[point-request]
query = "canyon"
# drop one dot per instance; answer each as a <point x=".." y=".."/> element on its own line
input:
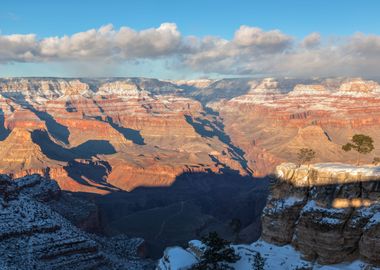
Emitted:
<point x="102" y="135"/>
<point x="169" y="161"/>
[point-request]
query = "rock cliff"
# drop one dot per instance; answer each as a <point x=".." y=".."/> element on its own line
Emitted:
<point x="156" y="129"/>
<point x="322" y="216"/>
<point x="35" y="236"/>
<point x="109" y="134"/>
<point x="329" y="212"/>
<point x="267" y="122"/>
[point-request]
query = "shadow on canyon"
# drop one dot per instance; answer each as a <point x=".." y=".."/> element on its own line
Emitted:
<point x="82" y="164"/>
<point x="128" y="133"/>
<point x="3" y="131"/>
<point x="210" y="129"/>
<point x="57" y="130"/>
<point x="193" y="205"/>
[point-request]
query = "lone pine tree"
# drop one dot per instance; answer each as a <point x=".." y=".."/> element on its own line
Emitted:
<point x="217" y="255"/>
<point x="361" y="143"/>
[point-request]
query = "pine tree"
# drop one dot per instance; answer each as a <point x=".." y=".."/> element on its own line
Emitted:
<point x="217" y="255"/>
<point x="258" y="262"/>
<point x="305" y="155"/>
<point x="361" y="143"/>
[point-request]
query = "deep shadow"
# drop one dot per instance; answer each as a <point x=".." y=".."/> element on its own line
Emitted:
<point x="3" y="131"/>
<point x="92" y="148"/>
<point x="209" y="129"/>
<point x="84" y="151"/>
<point x="193" y="205"/>
<point x="128" y="133"/>
<point x="89" y="172"/>
<point x="57" y="130"/>
<point x="81" y="165"/>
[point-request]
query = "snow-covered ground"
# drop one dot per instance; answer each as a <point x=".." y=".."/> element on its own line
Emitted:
<point x="367" y="170"/>
<point x="275" y="258"/>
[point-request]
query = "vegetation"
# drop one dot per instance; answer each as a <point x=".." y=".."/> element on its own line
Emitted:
<point x="376" y="160"/>
<point x="258" y="262"/>
<point x="217" y="255"/>
<point x="305" y="155"/>
<point x="361" y="143"/>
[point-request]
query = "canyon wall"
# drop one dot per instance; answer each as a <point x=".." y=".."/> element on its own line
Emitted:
<point x="107" y="135"/>
<point x="102" y="135"/>
<point x="328" y="212"/>
<point x="273" y="120"/>
<point x="34" y="235"/>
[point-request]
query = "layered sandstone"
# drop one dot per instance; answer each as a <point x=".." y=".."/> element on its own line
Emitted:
<point x="105" y="135"/>
<point x="129" y="124"/>
<point x="329" y="212"/>
<point x="271" y="123"/>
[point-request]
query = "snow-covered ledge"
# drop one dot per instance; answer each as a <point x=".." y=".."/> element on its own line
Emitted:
<point x="326" y="173"/>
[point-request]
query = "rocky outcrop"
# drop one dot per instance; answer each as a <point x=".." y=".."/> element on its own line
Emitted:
<point x="34" y="236"/>
<point x="329" y="212"/>
<point x="266" y="121"/>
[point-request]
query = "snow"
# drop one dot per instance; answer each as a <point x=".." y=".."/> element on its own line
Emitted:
<point x="176" y="258"/>
<point x="280" y="205"/>
<point x="375" y="219"/>
<point x="275" y="257"/>
<point x="366" y="170"/>
<point x="329" y="220"/>
<point x="312" y="206"/>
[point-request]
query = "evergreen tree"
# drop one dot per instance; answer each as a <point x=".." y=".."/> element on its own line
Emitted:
<point x="217" y="255"/>
<point x="258" y="262"/>
<point x="361" y="143"/>
<point x="305" y="155"/>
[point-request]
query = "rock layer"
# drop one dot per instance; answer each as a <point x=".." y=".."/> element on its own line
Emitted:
<point x="106" y="135"/>
<point x="272" y="122"/>
<point x="329" y="212"/>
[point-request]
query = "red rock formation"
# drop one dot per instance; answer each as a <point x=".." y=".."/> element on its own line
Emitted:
<point x="117" y="135"/>
<point x="271" y="126"/>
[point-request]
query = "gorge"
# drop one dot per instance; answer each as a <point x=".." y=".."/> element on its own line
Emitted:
<point x="150" y="163"/>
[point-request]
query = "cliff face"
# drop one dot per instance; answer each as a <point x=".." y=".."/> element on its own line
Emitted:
<point x="105" y="135"/>
<point x="272" y="120"/>
<point x="322" y="216"/>
<point x="33" y="235"/>
<point x="329" y="212"/>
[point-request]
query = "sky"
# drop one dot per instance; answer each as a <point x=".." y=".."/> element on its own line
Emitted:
<point x="189" y="39"/>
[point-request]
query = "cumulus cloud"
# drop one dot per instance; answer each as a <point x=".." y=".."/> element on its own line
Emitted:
<point x="312" y="40"/>
<point x="20" y="48"/>
<point x="251" y="51"/>
<point x="256" y="38"/>
<point x="102" y="43"/>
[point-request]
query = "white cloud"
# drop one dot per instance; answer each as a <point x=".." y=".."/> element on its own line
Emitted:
<point x="251" y="51"/>
<point x="312" y="40"/>
<point x="20" y="48"/>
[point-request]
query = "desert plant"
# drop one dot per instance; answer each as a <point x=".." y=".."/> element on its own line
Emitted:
<point x="217" y="255"/>
<point x="361" y="143"/>
<point x="305" y="155"/>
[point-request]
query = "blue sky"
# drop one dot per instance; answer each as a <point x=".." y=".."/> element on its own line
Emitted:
<point x="195" y="17"/>
<point x="218" y="18"/>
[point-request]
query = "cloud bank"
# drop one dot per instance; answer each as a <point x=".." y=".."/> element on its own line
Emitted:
<point x="251" y="51"/>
